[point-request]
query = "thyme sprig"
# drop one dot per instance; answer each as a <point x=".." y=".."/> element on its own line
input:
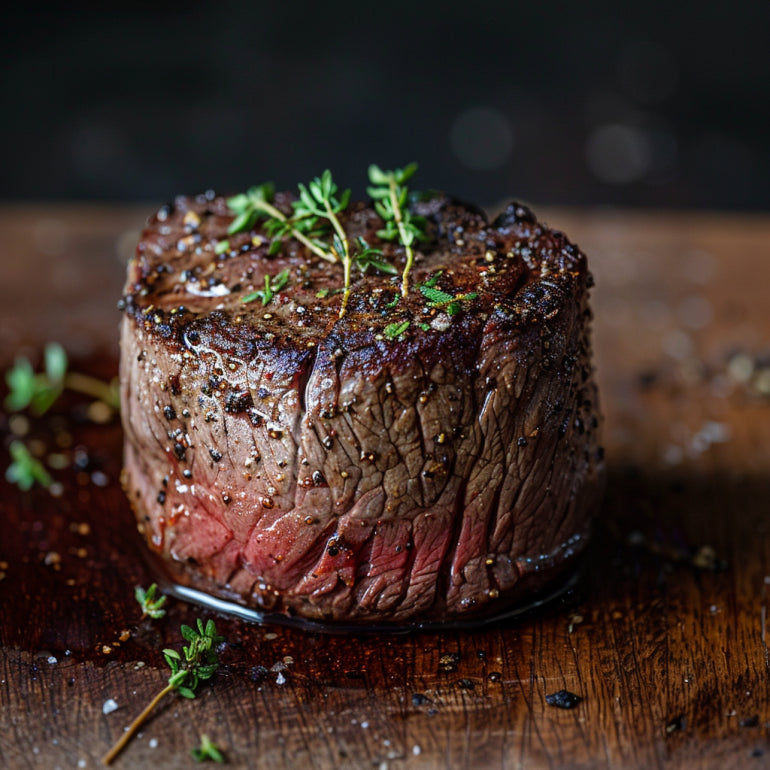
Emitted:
<point x="257" y="202"/>
<point x="390" y="194"/>
<point x="199" y="663"/>
<point x="319" y="200"/>
<point x="38" y="391"/>
<point x="317" y="209"/>
<point x="151" y="607"/>
<point x="25" y="470"/>
<point x="315" y="222"/>
<point x="273" y="284"/>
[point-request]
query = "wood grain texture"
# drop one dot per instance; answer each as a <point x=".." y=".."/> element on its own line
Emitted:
<point x="664" y="636"/>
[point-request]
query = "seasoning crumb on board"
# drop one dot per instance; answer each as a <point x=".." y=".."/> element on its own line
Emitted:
<point x="563" y="699"/>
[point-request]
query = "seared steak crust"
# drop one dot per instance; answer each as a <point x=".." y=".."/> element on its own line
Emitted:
<point x="306" y="464"/>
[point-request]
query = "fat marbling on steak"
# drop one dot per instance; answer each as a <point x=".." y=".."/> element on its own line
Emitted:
<point x="302" y="463"/>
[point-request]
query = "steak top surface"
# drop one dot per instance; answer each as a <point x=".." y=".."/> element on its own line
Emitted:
<point x="178" y="285"/>
<point x="305" y="462"/>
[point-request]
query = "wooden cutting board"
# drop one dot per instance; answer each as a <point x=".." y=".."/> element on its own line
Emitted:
<point x="663" y="637"/>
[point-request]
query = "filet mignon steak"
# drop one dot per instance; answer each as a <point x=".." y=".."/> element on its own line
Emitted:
<point x="306" y="464"/>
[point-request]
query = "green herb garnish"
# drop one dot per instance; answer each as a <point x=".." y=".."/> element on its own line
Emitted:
<point x="25" y="470"/>
<point x="315" y="223"/>
<point x="272" y="286"/>
<point x="255" y="203"/>
<point x="199" y="664"/>
<point x="221" y="247"/>
<point x="367" y="256"/>
<point x="315" y="212"/>
<point x="319" y="201"/>
<point x="208" y="750"/>
<point x="395" y="330"/>
<point x="250" y="206"/>
<point x="39" y="391"/>
<point x="390" y="194"/>
<point x="443" y="300"/>
<point x="151" y="607"/>
<point x="453" y="308"/>
<point x="435" y="296"/>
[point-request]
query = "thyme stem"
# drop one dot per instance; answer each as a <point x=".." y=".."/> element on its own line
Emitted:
<point x="90" y="386"/>
<point x="135" y="725"/>
<point x="346" y="260"/>
<point x="402" y="232"/>
<point x="390" y="194"/>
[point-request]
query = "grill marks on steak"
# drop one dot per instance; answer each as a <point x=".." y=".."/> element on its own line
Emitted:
<point x="360" y="478"/>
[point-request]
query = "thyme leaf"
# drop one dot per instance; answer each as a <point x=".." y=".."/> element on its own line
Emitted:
<point x="25" y="470"/>
<point x="453" y="308"/>
<point x="443" y="300"/>
<point x="367" y="256"/>
<point x="38" y="391"/>
<point x="208" y="750"/>
<point x="151" y="607"/>
<point x="273" y="284"/>
<point x="435" y="296"/>
<point x="395" y="330"/>
<point x="319" y="198"/>
<point x="249" y="206"/>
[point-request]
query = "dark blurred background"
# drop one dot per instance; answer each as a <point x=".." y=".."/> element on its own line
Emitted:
<point x="637" y="103"/>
